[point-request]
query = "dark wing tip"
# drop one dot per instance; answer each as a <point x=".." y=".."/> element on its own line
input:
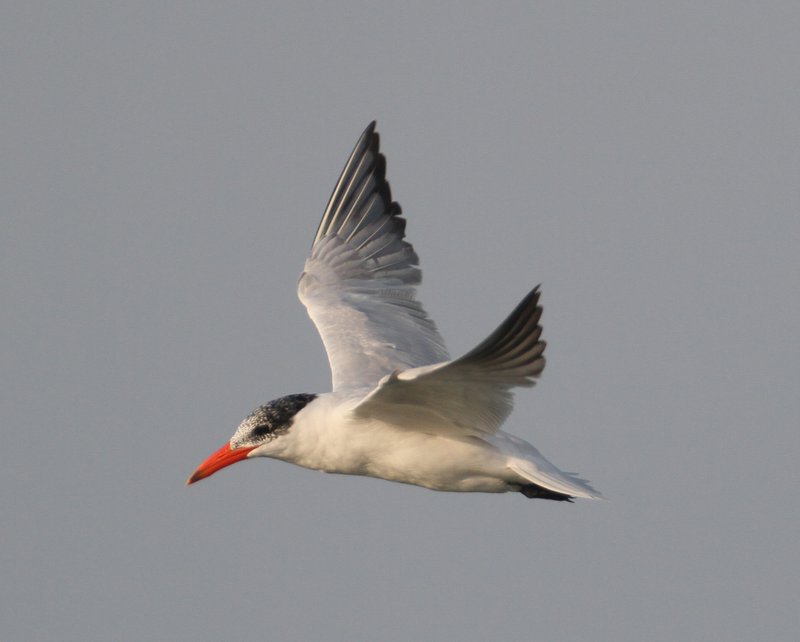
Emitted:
<point x="369" y="139"/>
<point x="514" y="350"/>
<point x="365" y="160"/>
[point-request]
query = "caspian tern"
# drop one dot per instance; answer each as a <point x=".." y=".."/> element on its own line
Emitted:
<point x="400" y="410"/>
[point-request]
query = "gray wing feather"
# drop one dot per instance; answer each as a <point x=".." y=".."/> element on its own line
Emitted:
<point x="359" y="280"/>
<point x="470" y="395"/>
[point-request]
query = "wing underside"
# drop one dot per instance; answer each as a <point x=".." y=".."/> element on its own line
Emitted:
<point x="358" y="284"/>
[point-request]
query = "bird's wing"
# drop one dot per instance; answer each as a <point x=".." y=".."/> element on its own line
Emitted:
<point x="359" y="280"/>
<point x="470" y="396"/>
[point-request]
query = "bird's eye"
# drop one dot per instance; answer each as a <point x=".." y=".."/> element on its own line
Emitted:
<point x="261" y="430"/>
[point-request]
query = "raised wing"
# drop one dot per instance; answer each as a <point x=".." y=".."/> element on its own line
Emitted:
<point x="358" y="283"/>
<point x="470" y="396"/>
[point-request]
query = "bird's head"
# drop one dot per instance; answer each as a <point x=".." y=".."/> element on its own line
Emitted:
<point x="254" y="437"/>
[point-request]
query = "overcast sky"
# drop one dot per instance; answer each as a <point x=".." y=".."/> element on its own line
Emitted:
<point x="163" y="168"/>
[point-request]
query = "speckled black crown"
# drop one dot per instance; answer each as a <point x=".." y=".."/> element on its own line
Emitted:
<point x="276" y="416"/>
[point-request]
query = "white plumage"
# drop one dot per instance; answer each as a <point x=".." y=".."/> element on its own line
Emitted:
<point x="399" y="409"/>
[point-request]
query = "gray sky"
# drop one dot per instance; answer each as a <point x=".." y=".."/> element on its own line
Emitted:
<point x="164" y="167"/>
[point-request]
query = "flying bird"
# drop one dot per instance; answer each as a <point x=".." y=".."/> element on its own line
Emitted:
<point x="400" y="409"/>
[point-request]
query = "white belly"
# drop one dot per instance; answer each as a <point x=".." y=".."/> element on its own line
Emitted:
<point x="402" y="455"/>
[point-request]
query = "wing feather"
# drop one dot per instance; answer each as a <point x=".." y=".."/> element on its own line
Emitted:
<point x="358" y="283"/>
<point x="470" y="395"/>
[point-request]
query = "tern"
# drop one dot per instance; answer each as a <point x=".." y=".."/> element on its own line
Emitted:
<point x="399" y="409"/>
